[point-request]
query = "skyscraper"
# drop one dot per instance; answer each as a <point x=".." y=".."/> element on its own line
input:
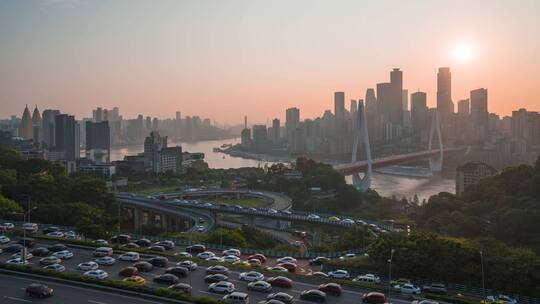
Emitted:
<point x="339" y="106"/>
<point x="419" y="116"/>
<point x="98" y="141"/>
<point x="292" y="119"/>
<point x="47" y="127"/>
<point x="36" y="126"/>
<point x="354" y="106"/>
<point x="25" y="128"/>
<point x="65" y="136"/>
<point x="479" y="113"/>
<point x="464" y="107"/>
<point x="445" y="106"/>
<point x="276" y="130"/>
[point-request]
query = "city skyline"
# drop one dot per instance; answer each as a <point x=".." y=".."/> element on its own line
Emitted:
<point x="167" y="62"/>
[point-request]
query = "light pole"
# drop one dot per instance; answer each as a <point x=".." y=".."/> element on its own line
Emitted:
<point x="390" y="272"/>
<point x="26" y="216"/>
<point x="483" y="281"/>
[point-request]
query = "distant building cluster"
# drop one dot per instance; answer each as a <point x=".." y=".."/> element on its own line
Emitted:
<point x="399" y="121"/>
<point x="471" y="173"/>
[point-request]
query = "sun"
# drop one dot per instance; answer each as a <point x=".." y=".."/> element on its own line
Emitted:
<point x="464" y="52"/>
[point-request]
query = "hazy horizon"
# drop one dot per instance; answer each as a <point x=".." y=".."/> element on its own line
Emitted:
<point x="227" y="59"/>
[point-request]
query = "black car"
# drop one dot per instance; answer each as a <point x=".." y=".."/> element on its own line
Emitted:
<point x="159" y="261"/>
<point x="168" y="245"/>
<point x="197" y="248"/>
<point x="121" y="239"/>
<point x="313" y="295"/>
<point x="281" y="296"/>
<point x="180" y="272"/>
<point x="318" y="261"/>
<point x="57" y="247"/>
<point x="157" y="248"/>
<point x="214" y="278"/>
<point x="143" y="242"/>
<point x="167" y="278"/>
<point x="51" y="229"/>
<point x="13" y="248"/>
<point x="143" y="266"/>
<point x="129" y="271"/>
<point x="27" y="242"/>
<point x="40" y="252"/>
<point x="39" y="291"/>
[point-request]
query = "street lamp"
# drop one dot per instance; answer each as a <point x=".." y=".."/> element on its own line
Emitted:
<point x="483" y="281"/>
<point x="26" y="216"/>
<point x="390" y="271"/>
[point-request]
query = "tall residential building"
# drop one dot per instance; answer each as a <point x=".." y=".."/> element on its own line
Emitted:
<point x="98" y="142"/>
<point x="47" y="127"/>
<point x="97" y="114"/>
<point x="339" y="106"/>
<point x="464" y="107"/>
<point x="419" y="116"/>
<point x="36" y="126"/>
<point x="260" y="137"/>
<point x="66" y="137"/>
<point x="153" y="144"/>
<point x="525" y="129"/>
<point x="276" y="130"/>
<point x="479" y="113"/>
<point x="292" y="119"/>
<point x="25" y="128"/>
<point x="445" y="106"/>
<point x="354" y="106"/>
<point x="471" y="173"/>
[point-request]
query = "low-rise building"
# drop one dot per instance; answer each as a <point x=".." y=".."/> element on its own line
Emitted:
<point x="471" y="173"/>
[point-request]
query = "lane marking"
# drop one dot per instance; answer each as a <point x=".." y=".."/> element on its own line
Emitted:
<point x="17" y="299"/>
<point x="96" y="302"/>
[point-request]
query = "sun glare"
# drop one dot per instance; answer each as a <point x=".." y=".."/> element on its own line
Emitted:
<point x="463" y="53"/>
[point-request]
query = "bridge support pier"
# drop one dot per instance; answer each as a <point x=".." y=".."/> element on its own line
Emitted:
<point x="362" y="137"/>
<point x="435" y="164"/>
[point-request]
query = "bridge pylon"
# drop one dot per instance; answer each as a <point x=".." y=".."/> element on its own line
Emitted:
<point x="435" y="164"/>
<point x="361" y="137"/>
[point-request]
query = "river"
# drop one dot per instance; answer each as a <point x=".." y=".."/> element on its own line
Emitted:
<point x="385" y="185"/>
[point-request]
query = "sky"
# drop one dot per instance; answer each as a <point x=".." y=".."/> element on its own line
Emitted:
<point x="226" y="59"/>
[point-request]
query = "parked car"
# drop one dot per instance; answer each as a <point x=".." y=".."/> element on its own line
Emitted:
<point x="121" y="239"/>
<point x="180" y="272"/>
<point x="230" y="259"/>
<point x="51" y="229"/>
<point x="231" y="251"/>
<point x="97" y="274"/>
<point x="35" y="290"/>
<point x="258" y="256"/>
<point x="221" y="287"/>
<point x="168" y="245"/>
<point x="101" y="242"/>
<point x="197" y="248"/>
<point x="214" y="278"/>
<point x="339" y="274"/>
<point x="217" y="269"/>
<point x="287" y="259"/>
<point x="17" y="261"/>
<point x="320" y="274"/>
<point x="130" y="246"/>
<point x="291" y="267"/>
<point x="435" y="288"/>
<point x="41" y="252"/>
<point x="280" y="282"/>
<point x="56" y="234"/>
<point x="205" y="255"/>
<point x="157" y="248"/>
<point x="261" y="286"/>
<point x="159" y="261"/>
<point x="4" y="240"/>
<point x="167" y="278"/>
<point x="183" y="254"/>
<point x="86" y="266"/>
<point x="313" y="295"/>
<point x="57" y="247"/>
<point x="251" y="276"/>
<point x="18" y="255"/>
<point x="192" y="266"/>
<point x="181" y="287"/>
<point x="105" y="261"/>
<point x="368" y="278"/>
<point x="281" y="296"/>
<point x="236" y="298"/>
<point x="64" y="254"/>
<point x="103" y="251"/>
<point x="55" y="267"/>
<point x="331" y="289"/>
<point x="49" y="260"/>
<point x="129" y="271"/>
<point x="347" y="256"/>
<point x="318" y="261"/>
<point x="374" y="298"/>
<point x="143" y="266"/>
<point x="137" y="280"/>
<point x="277" y="268"/>
<point x="129" y="256"/>
<point x="143" y="242"/>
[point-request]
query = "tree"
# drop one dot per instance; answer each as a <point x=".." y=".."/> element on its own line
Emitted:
<point x="8" y="206"/>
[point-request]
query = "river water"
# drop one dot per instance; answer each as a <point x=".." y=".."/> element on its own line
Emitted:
<point x="384" y="184"/>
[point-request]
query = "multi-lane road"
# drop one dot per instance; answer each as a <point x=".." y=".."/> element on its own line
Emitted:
<point x="63" y="294"/>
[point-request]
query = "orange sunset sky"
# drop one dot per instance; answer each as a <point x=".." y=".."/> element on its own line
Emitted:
<point x="227" y="59"/>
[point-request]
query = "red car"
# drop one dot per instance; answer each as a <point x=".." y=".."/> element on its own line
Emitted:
<point x="280" y="282"/>
<point x="258" y="256"/>
<point x="291" y="267"/>
<point x="373" y="298"/>
<point x="331" y="288"/>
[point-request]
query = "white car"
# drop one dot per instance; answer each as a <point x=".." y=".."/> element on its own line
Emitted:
<point x="231" y="259"/>
<point x="63" y="255"/>
<point x="183" y="254"/>
<point x="18" y="255"/>
<point x="17" y="261"/>
<point x="339" y="274"/>
<point x="251" y="276"/>
<point x="86" y="266"/>
<point x="105" y="261"/>
<point x="206" y="255"/>
<point x="348" y="256"/>
<point x="232" y="251"/>
<point x="55" y="267"/>
<point x="215" y="259"/>
<point x="287" y="259"/>
<point x="192" y="266"/>
<point x="9" y="226"/>
<point x="4" y="239"/>
<point x="347" y="222"/>
<point x="261" y="286"/>
<point x="101" y="242"/>
<point x="368" y="278"/>
<point x="278" y="268"/>
<point x="71" y="235"/>
<point x="221" y="287"/>
<point x="410" y="289"/>
<point x="272" y="211"/>
<point x="129" y="256"/>
<point x="57" y="234"/>
<point x="97" y="274"/>
<point x="313" y="217"/>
